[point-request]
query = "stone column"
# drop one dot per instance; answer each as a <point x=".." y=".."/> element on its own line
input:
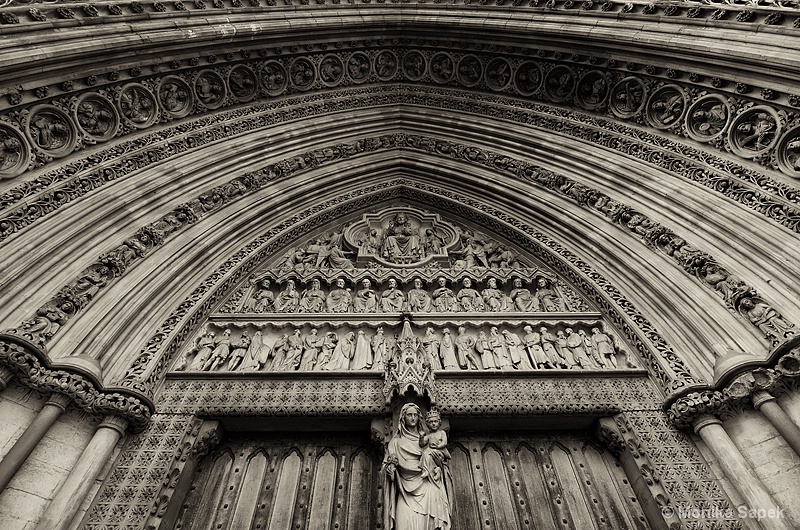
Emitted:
<point x="738" y="471"/>
<point x="5" y="377"/>
<point x="70" y="495"/>
<point x="768" y="405"/>
<point x="23" y="447"/>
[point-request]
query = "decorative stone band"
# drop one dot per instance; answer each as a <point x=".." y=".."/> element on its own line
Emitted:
<point x="706" y="117"/>
<point x="320" y="395"/>
<point x="748" y="389"/>
<point x="33" y="369"/>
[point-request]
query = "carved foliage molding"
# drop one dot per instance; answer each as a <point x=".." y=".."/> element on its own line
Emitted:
<point x="31" y="371"/>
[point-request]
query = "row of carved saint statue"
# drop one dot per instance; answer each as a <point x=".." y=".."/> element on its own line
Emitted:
<point x="341" y="299"/>
<point x="327" y="351"/>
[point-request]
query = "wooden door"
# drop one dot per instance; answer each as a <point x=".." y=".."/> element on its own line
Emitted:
<point x="502" y="481"/>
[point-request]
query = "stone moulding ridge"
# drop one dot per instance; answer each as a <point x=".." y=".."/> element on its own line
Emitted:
<point x="34" y="369"/>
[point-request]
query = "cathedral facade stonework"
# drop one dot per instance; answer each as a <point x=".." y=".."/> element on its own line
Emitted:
<point x="399" y="265"/>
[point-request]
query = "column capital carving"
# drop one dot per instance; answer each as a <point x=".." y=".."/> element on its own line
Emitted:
<point x="59" y="400"/>
<point x="684" y="411"/>
<point x="760" y="397"/>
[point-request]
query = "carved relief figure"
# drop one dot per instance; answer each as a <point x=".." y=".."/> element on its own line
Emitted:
<point x="401" y="242"/>
<point x="419" y="301"/>
<point x="342" y="353"/>
<point x="577" y="348"/>
<point x="549" y="300"/>
<point x="502" y="359"/>
<point x="431" y="346"/>
<point x="766" y="319"/>
<point x="484" y="349"/>
<point x="313" y="299"/>
<point x="519" y="358"/>
<point x="288" y="300"/>
<point x="49" y="131"/>
<point x="328" y="345"/>
<point x="366" y="301"/>
<point x="757" y="133"/>
<point x="294" y="351"/>
<point x="136" y="104"/>
<point x="240" y="348"/>
<point x="443" y="299"/>
<point x="203" y="347"/>
<point x="339" y="300"/>
<point x="392" y="299"/>
<point x="263" y="300"/>
<point x="435" y="455"/>
<point x="447" y="351"/>
<point x="494" y="299"/>
<point x="10" y="151"/>
<point x="563" y="350"/>
<point x="522" y="297"/>
<point x="362" y="358"/>
<point x="533" y="345"/>
<point x="464" y="348"/>
<point x="379" y="344"/>
<point x="603" y="346"/>
<point x="311" y="346"/>
<point x="94" y="118"/>
<point x="412" y="501"/>
<point x="549" y="342"/>
<point x="173" y="96"/>
<point x="468" y="298"/>
<point x="209" y="89"/>
<point x="222" y="350"/>
<point x="709" y="121"/>
<point x="256" y="355"/>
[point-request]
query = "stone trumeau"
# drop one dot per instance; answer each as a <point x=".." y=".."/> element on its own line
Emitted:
<point x="395" y="265"/>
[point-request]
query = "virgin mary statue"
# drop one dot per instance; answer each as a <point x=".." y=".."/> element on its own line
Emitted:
<point x="413" y="500"/>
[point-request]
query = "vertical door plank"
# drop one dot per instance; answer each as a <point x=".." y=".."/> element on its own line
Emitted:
<point x="249" y="491"/>
<point x="481" y="486"/>
<point x="539" y="501"/>
<point x="360" y="503"/>
<point x="212" y="495"/>
<point x="264" y="504"/>
<point x="624" y="499"/>
<point x="285" y="493"/>
<point x="464" y="507"/>
<point x="322" y="493"/>
<point x="573" y="494"/>
<point x="595" y="493"/>
<point x="505" y="515"/>
<point x="516" y="483"/>
<point x="562" y="515"/>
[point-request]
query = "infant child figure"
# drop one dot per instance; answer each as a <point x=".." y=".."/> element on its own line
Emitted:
<point x="434" y="448"/>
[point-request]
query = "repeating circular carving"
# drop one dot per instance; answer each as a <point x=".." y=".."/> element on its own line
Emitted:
<point x="358" y="67"/>
<point x="498" y="74"/>
<point x="209" y="88"/>
<point x="331" y="70"/>
<point x="96" y="117"/>
<point x="443" y="68"/>
<point x="666" y="107"/>
<point x="528" y="78"/>
<point x="628" y="97"/>
<point x="470" y="70"/>
<point x="414" y="66"/>
<point x="788" y="152"/>
<point x="273" y="78"/>
<point x="559" y="84"/>
<point x="14" y="152"/>
<point x="592" y="90"/>
<point x="707" y="119"/>
<point x="301" y="73"/>
<point x="386" y="65"/>
<point x="51" y="131"/>
<point x="175" y="96"/>
<point x="137" y="105"/>
<point x="755" y="131"/>
<point x="242" y="83"/>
